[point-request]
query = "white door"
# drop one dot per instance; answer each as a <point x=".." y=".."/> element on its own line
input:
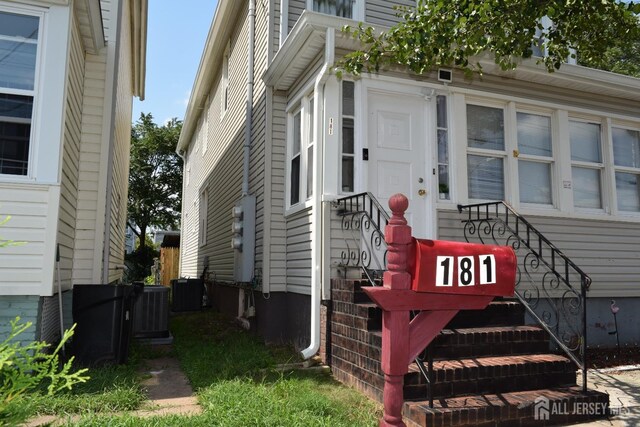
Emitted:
<point x="399" y="160"/>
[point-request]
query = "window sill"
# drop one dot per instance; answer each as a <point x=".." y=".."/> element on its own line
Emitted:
<point x="297" y="208"/>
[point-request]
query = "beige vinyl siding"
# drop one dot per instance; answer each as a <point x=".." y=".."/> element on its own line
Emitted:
<point x="85" y="268"/>
<point x="122" y="142"/>
<point x="296" y="7"/>
<point x="27" y="268"/>
<point x="277" y="247"/>
<point x="275" y="30"/>
<point x="607" y="251"/>
<point x="71" y="157"/>
<point x="382" y="12"/>
<point x="299" y="252"/>
<point x="219" y="169"/>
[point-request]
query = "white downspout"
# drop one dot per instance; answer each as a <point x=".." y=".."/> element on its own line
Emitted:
<point x="251" y="14"/>
<point x="316" y="216"/>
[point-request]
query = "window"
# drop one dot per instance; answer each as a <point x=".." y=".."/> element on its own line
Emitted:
<point x="586" y="164"/>
<point x="301" y="152"/>
<point x="485" y="152"/>
<point x="342" y="8"/>
<point x="19" y="35"/>
<point x="203" y="211"/>
<point x="225" y="81"/>
<point x="294" y="179"/>
<point x="348" y="137"/>
<point x="626" y="156"/>
<point x="535" y="158"/>
<point x="310" y="129"/>
<point x="443" y="147"/>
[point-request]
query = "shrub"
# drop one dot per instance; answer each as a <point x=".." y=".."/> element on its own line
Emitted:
<point x="27" y="367"/>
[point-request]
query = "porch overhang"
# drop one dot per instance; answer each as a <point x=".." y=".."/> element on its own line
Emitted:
<point x="90" y="24"/>
<point x="307" y="38"/>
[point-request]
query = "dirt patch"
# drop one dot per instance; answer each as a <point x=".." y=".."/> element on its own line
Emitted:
<point x="599" y="358"/>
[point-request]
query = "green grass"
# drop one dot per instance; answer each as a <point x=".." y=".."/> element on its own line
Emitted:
<point x="236" y="385"/>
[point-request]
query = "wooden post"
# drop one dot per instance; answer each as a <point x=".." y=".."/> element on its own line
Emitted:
<point x="395" y="324"/>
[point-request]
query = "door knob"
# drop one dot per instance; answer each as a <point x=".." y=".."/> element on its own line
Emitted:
<point x="422" y="192"/>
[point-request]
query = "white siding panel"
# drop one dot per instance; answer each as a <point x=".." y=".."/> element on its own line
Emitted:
<point x="26" y="268"/>
<point x="382" y="12"/>
<point x="298" y="255"/>
<point x="607" y="251"/>
<point x="71" y="157"/>
<point x="296" y="7"/>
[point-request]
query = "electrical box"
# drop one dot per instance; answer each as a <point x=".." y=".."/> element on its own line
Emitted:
<point x="243" y="238"/>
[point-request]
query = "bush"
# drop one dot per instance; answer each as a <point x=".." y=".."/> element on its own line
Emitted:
<point x="27" y="367"/>
<point x="139" y="263"/>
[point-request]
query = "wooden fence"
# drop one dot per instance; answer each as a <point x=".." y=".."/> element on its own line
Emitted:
<point x="169" y="265"/>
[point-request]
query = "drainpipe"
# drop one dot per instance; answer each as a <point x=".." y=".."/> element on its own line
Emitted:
<point x="109" y="193"/>
<point x="251" y="14"/>
<point x="316" y="231"/>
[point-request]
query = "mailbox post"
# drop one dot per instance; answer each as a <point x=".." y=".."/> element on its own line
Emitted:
<point x="439" y="279"/>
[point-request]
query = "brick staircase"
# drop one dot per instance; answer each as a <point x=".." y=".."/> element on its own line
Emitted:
<point x="489" y="367"/>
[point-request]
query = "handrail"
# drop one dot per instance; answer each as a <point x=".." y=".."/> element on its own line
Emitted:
<point x="363" y="221"/>
<point x="551" y="295"/>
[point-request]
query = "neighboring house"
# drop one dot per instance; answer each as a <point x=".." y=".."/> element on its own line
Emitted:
<point x="269" y="123"/>
<point x="159" y="236"/>
<point x="129" y="240"/>
<point x="68" y="71"/>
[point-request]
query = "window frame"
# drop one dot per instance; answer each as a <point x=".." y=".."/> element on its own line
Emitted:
<point x="224" y="81"/>
<point x="486" y="152"/>
<point x="344" y="155"/>
<point x="602" y="166"/>
<point x="622" y="169"/>
<point x="35" y="93"/>
<point x="203" y="209"/>
<point x="357" y="15"/>
<point x="301" y="106"/>
<point x="551" y="161"/>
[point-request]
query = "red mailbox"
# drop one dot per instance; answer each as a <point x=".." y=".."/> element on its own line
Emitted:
<point x="445" y="267"/>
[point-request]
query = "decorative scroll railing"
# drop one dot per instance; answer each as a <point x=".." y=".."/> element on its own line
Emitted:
<point x="552" y="288"/>
<point x="362" y="224"/>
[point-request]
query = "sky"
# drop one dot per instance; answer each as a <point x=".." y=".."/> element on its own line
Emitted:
<point x="175" y="40"/>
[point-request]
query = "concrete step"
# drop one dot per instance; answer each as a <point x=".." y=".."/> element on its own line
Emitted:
<point x="564" y="405"/>
<point x="498" y="374"/>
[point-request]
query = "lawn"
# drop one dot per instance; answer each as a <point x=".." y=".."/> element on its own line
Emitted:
<point x="235" y="380"/>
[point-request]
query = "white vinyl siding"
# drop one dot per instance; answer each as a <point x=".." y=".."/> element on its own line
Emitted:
<point x="71" y="158"/>
<point x="606" y="251"/>
<point x="382" y="12"/>
<point x="299" y="252"/>
<point x="121" y="145"/>
<point x="27" y="268"/>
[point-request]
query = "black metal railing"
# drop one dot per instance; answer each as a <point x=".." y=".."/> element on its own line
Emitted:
<point x="362" y="222"/>
<point x="551" y="287"/>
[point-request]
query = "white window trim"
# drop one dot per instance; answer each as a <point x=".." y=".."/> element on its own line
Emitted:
<point x="302" y="107"/>
<point x="224" y="82"/>
<point x="357" y="147"/>
<point x="603" y="166"/>
<point x="624" y="169"/>
<point x="358" y="10"/>
<point x="35" y="93"/>
<point x="202" y="217"/>
<point x="205" y="122"/>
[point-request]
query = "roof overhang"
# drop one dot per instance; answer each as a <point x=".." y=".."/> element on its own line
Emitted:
<point x="138" y="12"/>
<point x="306" y="41"/>
<point x="224" y="21"/>
<point x="92" y="32"/>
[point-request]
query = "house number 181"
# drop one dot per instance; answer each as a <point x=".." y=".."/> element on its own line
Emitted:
<point x="445" y="266"/>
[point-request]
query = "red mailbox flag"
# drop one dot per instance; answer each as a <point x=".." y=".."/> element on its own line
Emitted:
<point x="445" y="267"/>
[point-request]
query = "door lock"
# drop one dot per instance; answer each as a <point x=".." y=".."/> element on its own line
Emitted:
<point x="422" y="192"/>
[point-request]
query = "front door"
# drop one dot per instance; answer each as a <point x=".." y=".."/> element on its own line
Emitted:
<point x="398" y="156"/>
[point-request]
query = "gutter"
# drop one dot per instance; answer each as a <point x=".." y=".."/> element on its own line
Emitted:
<point x="316" y="216"/>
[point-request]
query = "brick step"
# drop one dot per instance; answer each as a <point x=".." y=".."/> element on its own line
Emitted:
<point x="488" y="341"/>
<point x="497" y="313"/>
<point x="349" y="290"/>
<point x="492" y="375"/>
<point x="508" y="409"/>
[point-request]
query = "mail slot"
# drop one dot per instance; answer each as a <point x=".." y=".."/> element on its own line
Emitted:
<point x="445" y="267"/>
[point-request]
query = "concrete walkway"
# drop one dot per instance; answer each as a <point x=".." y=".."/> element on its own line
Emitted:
<point x="623" y="386"/>
<point x="168" y="392"/>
